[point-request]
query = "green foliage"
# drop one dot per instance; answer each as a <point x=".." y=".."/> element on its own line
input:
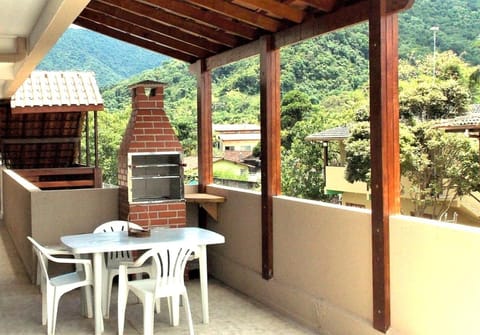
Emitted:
<point x="357" y="150"/>
<point x="440" y="166"/>
<point x="111" y="60"/>
<point x="295" y="105"/>
<point x="229" y="170"/>
<point x="458" y="23"/>
<point x="424" y="97"/>
<point x="111" y="127"/>
<point x="302" y="166"/>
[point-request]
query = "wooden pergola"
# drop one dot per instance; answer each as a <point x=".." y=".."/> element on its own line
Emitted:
<point x="212" y="33"/>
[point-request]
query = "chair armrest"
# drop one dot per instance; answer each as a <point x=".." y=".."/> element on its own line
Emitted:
<point x="58" y="250"/>
<point x="140" y="260"/>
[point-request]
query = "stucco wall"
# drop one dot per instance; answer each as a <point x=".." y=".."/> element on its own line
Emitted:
<point x="322" y="266"/>
<point x="435" y="277"/>
<point x="322" y="259"/>
<point x="47" y="215"/>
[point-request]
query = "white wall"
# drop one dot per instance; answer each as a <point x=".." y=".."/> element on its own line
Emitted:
<point x="435" y="277"/>
<point x="323" y="273"/>
<point x="47" y="215"/>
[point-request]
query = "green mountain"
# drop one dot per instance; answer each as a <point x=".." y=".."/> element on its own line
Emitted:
<point x="321" y="67"/>
<point x="459" y="28"/>
<point x="111" y="60"/>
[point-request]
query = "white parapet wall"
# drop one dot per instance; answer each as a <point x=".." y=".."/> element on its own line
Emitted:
<point x="322" y="273"/>
<point x="47" y="215"/>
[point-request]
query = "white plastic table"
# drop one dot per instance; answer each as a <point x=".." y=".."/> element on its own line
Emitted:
<point x="98" y="244"/>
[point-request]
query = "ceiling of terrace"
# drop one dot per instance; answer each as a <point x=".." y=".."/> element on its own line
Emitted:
<point x="194" y="29"/>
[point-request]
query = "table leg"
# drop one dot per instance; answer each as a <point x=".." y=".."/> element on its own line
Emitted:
<point x="97" y="289"/>
<point x="202" y="261"/>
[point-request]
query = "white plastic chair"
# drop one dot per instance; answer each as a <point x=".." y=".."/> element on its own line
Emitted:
<point x="54" y="287"/>
<point x="113" y="260"/>
<point x="54" y="250"/>
<point x="168" y="282"/>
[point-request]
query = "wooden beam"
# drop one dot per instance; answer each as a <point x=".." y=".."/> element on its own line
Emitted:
<point x="270" y="144"/>
<point x="242" y="14"/>
<point x="325" y="5"/>
<point x="120" y="35"/>
<point x="211" y="18"/>
<point x="384" y="148"/>
<point x="56" y="109"/>
<point x="19" y="54"/>
<point x="140" y="27"/>
<point x="46" y="140"/>
<point x="278" y="9"/>
<point x="319" y="25"/>
<point x="204" y="126"/>
<point x="174" y="32"/>
<point x="158" y="14"/>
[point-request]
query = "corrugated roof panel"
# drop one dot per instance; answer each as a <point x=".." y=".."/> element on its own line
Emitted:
<point x="53" y="88"/>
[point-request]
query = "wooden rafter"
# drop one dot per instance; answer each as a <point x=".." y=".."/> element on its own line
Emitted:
<point x="278" y="9"/>
<point x="167" y="30"/>
<point x="174" y="38"/>
<point x="324" y="5"/>
<point x="241" y="14"/>
<point x="190" y="30"/>
<point x="153" y="46"/>
<point x="139" y="27"/>
<point x="156" y="13"/>
<point x="213" y="19"/>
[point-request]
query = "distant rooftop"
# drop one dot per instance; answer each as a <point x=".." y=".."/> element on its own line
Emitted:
<point x="332" y="134"/>
<point x="240" y="137"/>
<point x="236" y="127"/>
<point x="68" y="91"/>
<point x="468" y="121"/>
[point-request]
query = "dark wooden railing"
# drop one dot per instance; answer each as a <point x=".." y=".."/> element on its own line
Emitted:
<point x="63" y="178"/>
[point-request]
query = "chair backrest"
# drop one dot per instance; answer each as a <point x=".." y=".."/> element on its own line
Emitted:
<point x="115" y="225"/>
<point x="170" y="264"/>
<point x="42" y="254"/>
<point x="113" y="259"/>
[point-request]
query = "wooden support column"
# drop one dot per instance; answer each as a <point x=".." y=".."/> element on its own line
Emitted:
<point x="87" y="140"/>
<point x="384" y="145"/>
<point x="270" y="144"/>
<point x="204" y="126"/>
<point x="204" y="133"/>
<point x="95" y="136"/>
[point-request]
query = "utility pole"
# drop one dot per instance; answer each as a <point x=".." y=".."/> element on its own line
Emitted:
<point x="434" y="29"/>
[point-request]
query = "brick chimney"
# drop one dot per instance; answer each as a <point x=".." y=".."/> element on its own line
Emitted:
<point x="148" y="131"/>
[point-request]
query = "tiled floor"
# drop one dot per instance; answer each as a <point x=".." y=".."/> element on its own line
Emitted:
<point x="230" y="311"/>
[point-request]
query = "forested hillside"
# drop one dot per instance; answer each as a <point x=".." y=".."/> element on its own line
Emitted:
<point x="110" y="59"/>
<point x="326" y="65"/>
<point x="320" y="63"/>
<point x="330" y="71"/>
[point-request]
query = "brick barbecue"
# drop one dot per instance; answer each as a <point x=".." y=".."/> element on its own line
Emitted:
<point x="149" y="131"/>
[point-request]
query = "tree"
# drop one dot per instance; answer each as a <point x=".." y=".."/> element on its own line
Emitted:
<point x="302" y="165"/>
<point x="111" y="127"/>
<point x="440" y="166"/>
<point x="357" y="151"/>
<point x="295" y="106"/>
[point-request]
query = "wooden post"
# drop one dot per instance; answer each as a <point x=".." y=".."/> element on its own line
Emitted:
<point x="204" y="126"/>
<point x="87" y="140"/>
<point x="270" y="144"/>
<point x="384" y="146"/>
<point x="204" y="133"/>
<point x="95" y="137"/>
